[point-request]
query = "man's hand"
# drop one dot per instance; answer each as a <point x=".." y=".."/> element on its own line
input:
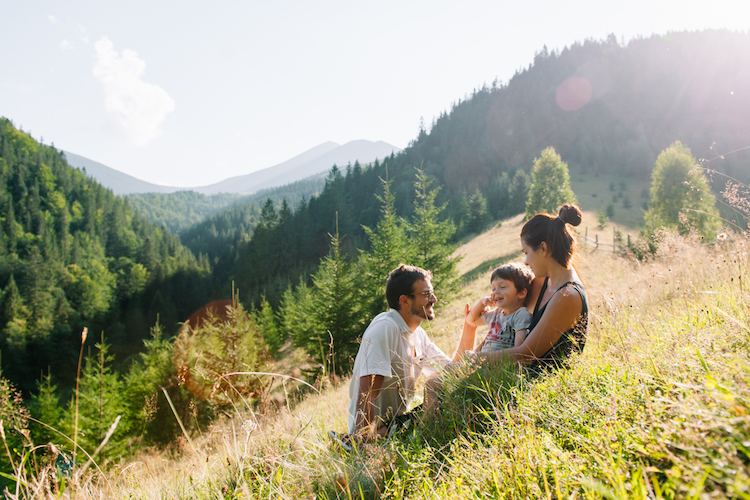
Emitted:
<point x="369" y="390"/>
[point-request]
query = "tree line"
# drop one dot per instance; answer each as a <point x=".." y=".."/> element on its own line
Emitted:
<point x="210" y="365"/>
<point x="644" y="96"/>
<point x="73" y="255"/>
<point x="187" y="212"/>
<point x="193" y="376"/>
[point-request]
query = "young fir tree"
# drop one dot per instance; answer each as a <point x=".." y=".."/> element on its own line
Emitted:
<point x="550" y="185"/>
<point x="681" y="197"/>
<point x="336" y="312"/>
<point x="389" y="248"/>
<point x="45" y="407"/>
<point x="477" y="215"/>
<point x="100" y="402"/>
<point x="268" y="326"/>
<point x="430" y="239"/>
<point x="219" y="358"/>
<point x="293" y="314"/>
<point x="148" y="409"/>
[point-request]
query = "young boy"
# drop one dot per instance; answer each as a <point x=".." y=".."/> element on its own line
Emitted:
<point x="509" y="320"/>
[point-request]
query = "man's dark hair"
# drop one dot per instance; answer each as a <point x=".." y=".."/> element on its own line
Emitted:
<point x="401" y="282"/>
<point x="519" y="274"/>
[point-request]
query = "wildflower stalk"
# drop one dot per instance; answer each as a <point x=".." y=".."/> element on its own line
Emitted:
<point x="84" y="333"/>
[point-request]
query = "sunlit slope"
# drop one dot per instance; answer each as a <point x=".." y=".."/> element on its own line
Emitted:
<point x="657" y="400"/>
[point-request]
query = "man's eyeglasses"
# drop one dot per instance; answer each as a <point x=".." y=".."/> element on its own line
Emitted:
<point x="428" y="294"/>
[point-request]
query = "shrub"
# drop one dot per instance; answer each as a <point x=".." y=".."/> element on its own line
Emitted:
<point x="550" y="184"/>
<point x="680" y="195"/>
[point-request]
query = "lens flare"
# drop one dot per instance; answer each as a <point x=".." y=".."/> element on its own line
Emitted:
<point x="574" y="93"/>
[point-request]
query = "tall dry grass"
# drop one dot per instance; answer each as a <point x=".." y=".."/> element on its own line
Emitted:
<point x="658" y="406"/>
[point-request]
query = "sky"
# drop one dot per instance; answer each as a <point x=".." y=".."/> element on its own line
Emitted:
<point x="185" y="93"/>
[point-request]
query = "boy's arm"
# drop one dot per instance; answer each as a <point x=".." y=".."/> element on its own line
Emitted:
<point x="520" y="337"/>
<point x="474" y="318"/>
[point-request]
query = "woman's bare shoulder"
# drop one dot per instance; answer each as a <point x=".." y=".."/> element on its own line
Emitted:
<point x="536" y="288"/>
<point x="567" y="296"/>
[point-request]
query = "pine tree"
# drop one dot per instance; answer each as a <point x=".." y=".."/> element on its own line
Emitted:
<point x="268" y="216"/>
<point x="389" y="248"/>
<point x="219" y="354"/>
<point x="430" y="239"/>
<point x="498" y="196"/>
<point x="149" y="413"/>
<point x="518" y="192"/>
<point x="293" y="314"/>
<point x="477" y="215"/>
<point x="11" y="228"/>
<point x="100" y="403"/>
<point x="681" y="197"/>
<point x="550" y="185"/>
<point x="15" y="316"/>
<point x="268" y="327"/>
<point x="45" y="407"/>
<point x="336" y="312"/>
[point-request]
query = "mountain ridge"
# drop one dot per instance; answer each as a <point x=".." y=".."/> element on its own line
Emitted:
<point x="314" y="161"/>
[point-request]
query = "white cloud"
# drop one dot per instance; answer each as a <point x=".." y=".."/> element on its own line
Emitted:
<point x="52" y="18"/>
<point x="139" y="107"/>
<point x="66" y="45"/>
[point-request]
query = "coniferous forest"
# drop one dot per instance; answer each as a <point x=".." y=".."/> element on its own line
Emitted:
<point x="643" y="97"/>
<point x="73" y="256"/>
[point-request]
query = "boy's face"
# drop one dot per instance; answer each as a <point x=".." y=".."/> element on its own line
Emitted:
<point x="505" y="295"/>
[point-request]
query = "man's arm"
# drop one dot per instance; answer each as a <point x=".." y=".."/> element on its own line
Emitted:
<point x="468" y="337"/>
<point x="369" y="389"/>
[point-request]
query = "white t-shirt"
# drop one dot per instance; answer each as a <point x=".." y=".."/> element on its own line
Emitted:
<point x="389" y="348"/>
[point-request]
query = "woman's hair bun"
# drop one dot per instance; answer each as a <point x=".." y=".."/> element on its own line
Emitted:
<point x="570" y="214"/>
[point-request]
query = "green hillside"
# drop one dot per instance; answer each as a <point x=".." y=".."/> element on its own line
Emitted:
<point x="188" y="212"/>
<point x="73" y="255"/>
<point x="181" y="209"/>
<point x="655" y="407"/>
<point x="643" y="97"/>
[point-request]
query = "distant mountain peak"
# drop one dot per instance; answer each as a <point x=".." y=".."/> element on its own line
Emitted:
<point x="311" y="162"/>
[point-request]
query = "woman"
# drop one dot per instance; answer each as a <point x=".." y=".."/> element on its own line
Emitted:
<point x="560" y="316"/>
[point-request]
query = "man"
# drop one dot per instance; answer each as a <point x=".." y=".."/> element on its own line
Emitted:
<point x="393" y="353"/>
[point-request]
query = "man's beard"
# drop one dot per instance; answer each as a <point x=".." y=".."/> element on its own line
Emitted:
<point x="423" y="312"/>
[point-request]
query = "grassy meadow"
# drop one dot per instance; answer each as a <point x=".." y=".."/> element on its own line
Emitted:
<point x="595" y="194"/>
<point x="656" y="407"/>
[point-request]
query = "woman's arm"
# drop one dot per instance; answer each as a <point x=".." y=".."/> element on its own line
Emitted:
<point x="562" y="312"/>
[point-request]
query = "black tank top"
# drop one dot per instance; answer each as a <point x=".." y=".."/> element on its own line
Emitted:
<point x="572" y="340"/>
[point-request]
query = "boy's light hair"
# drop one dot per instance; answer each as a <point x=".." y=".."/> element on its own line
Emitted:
<point x="519" y="274"/>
